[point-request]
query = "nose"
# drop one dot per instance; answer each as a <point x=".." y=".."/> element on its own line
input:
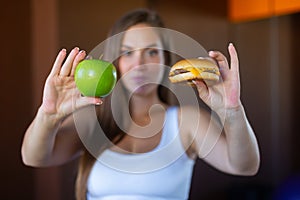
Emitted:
<point x="138" y="59"/>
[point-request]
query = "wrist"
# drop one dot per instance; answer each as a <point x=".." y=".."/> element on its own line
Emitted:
<point x="232" y="113"/>
<point x="49" y="120"/>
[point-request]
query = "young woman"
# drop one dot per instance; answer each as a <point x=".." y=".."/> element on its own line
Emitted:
<point x="153" y="156"/>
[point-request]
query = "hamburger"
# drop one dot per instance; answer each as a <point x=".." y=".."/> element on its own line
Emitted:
<point x="187" y="70"/>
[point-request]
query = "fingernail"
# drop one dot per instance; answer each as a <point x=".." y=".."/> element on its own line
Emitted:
<point x="88" y="57"/>
<point x="76" y="48"/>
<point x="99" y="103"/>
<point x="82" y="51"/>
<point x="63" y="50"/>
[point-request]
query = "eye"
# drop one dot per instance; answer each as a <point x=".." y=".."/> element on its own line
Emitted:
<point x="126" y="53"/>
<point x="152" y="52"/>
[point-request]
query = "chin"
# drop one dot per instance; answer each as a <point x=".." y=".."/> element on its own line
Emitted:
<point x="145" y="90"/>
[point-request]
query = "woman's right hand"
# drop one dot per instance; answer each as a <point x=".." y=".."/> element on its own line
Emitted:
<point x="61" y="96"/>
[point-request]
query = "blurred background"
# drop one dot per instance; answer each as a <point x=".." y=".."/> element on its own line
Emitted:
<point x="265" y="32"/>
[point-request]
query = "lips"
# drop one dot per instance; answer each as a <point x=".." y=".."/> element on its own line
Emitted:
<point x="139" y="79"/>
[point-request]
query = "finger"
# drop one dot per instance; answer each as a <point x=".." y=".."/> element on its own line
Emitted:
<point x="80" y="56"/>
<point x="234" y="61"/>
<point x="58" y="62"/>
<point x="67" y="66"/>
<point x="222" y="63"/>
<point x="220" y="58"/>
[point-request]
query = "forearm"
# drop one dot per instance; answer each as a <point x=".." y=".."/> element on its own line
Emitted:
<point x="242" y="147"/>
<point x="39" y="140"/>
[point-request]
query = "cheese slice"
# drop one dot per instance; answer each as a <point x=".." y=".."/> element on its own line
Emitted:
<point x="197" y="71"/>
<point x="194" y="70"/>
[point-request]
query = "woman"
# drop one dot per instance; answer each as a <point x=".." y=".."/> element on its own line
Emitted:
<point x="135" y="164"/>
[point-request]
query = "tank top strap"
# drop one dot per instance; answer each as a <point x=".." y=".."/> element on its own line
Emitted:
<point x="170" y="130"/>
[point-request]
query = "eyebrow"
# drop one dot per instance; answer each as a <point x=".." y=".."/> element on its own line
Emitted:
<point x="149" y="46"/>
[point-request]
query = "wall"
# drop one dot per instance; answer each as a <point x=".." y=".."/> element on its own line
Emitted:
<point x="295" y="69"/>
<point x="16" y="95"/>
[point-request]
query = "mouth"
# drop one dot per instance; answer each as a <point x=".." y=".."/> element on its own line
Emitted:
<point x="139" y="79"/>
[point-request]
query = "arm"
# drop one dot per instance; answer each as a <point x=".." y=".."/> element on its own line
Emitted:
<point x="228" y="143"/>
<point x="241" y="144"/>
<point x="51" y="138"/>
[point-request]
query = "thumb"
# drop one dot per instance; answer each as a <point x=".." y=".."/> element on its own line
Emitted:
<point x="86" y="101"/>
<point x="202" y="90"/>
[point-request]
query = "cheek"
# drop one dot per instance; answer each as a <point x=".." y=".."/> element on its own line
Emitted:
<point x="123" y="66"/>
<point x="156" y="73"/>
<point x="160" y="75"/>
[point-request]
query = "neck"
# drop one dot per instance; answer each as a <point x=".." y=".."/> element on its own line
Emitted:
<point x="141" y="105"/>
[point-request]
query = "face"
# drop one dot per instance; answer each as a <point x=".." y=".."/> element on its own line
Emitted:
<point x="141" y="60"/>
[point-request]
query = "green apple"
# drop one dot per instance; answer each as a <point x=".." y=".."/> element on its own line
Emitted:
<point x="95" y="78"/>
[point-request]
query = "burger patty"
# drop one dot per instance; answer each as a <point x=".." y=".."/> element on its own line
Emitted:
<point x="181" y="71"/>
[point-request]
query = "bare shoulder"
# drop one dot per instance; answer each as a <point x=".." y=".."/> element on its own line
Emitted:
<point x="73" y="131"/>
<point x="193" y="123"/>
<point x="78" y="126"/>
<point x="193" y="117"/>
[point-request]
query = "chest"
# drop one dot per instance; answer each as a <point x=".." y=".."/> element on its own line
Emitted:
<point x="132" y="144"/>
<point x="142" y="135"/>
<point x="168" y="181"/>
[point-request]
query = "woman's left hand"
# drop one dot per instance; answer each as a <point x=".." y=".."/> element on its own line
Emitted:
<point x="224" y="95"/>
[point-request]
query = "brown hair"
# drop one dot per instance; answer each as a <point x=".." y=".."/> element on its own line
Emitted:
<point x="105" y="115"/>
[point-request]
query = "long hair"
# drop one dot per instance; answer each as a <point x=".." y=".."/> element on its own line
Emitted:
<point x="104" y="112"/>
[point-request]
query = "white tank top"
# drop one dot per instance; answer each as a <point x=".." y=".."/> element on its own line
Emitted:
<point x="163" y="173"/>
